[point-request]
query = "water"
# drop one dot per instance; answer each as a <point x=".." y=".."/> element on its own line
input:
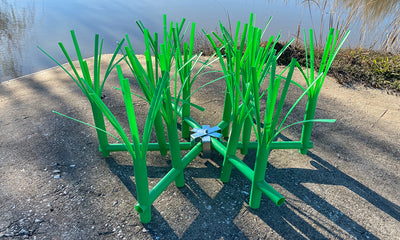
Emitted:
<point x="26" y="24"/>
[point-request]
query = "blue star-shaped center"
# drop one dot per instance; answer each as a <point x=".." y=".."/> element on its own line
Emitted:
<point x="205" y="133"/>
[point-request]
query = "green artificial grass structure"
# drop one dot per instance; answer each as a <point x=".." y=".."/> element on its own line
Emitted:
<point x="166" y="81"/>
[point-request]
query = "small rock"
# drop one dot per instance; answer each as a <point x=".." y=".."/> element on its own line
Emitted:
<point x="115" y="203"/>
<point x="144" y="230"/>
<point x="54" y="164"/>
<point x="72" y="165"/>
<point x="37" y="220"/>
<point x="56" y="171"/>
<point x="57" y="176"/>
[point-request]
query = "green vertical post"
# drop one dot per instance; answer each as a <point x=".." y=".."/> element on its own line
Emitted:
<point x="188" y="54"/>
<point x="260" y="168"/>
<point x="231" y="150"/>
<point x="186" y="110"/>
<point x="246" y="135"/>
<point x="226" y="115"/>
<point x="175" y="151"/>
<point x="160" y="134"/>
<point x="307" y="126"/>
<point x="142" y="190"/>
<point x="101" y="134"/>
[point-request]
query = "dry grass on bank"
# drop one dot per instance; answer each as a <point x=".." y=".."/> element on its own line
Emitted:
<point x="375" y="69"/>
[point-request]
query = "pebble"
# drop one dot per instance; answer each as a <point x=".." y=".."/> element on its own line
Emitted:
<point x="57" y="176"/>
<point x="72" y="165"/>
<point x="115" y="203"/>
<point x="56" y="171"/>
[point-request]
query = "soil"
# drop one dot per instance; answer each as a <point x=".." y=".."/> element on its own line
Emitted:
<point x="54" y="183"/>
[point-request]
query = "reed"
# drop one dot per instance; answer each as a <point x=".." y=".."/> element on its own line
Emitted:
<point x="314" y="83"/>
<point x="246" y="65"/>
<point x="167" y="60"/>
<point x="90" y="81"/>
<point x="370" y="14"/>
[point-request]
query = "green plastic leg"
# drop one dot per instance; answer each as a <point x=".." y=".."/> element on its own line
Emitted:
<point x="246" y="136"/>
<point x="259" y="175"/>
<point x="226" y="115"/>
<point x="159" y="128"/>
<point x="175" y="151"/>
<point x="145" y="217"/>
<point x="101" y="136"/>
<point x="231" y="151"/>
<point x="142" y="191"/>
<point x="186" y="113"/>
<point x="307" y="127"/>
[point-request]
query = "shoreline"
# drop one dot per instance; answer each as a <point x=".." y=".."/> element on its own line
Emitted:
<point x="347" y="183"/>
<point x="369" y="68"/>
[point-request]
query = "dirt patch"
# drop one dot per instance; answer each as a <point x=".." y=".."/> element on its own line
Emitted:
<point x="54" y="184"/>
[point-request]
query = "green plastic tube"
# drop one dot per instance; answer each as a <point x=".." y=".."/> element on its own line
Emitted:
<point x="271" y="193"/>
<point x="174" y="173"/>
<point x="221" y="146"/>
<point x="142" y="190"/>
<point x="246" y="136"/>
<point x="231" y="150"/>
<point x="101" y="135"/>
<point x="119" y="147"/>
<point x="160" y="134"/>
<point x="217" y="145"/>
<point x="192" y="122"/>
<point x="186" y="111"/>
<point x="307" y="126"/>
<point x="263" y="186"/>
<point x="260" y="168"/>
<point x="175" y="151"/>
<point x="242" y="167"/>
<point x="226" y="115"/>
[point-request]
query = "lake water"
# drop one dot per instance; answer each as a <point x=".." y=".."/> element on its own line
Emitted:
<point x="25" y="24"/>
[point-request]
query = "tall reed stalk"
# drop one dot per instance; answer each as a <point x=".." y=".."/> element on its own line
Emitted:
<point x="88" y="81"/>
<point x="314" y="83"/>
